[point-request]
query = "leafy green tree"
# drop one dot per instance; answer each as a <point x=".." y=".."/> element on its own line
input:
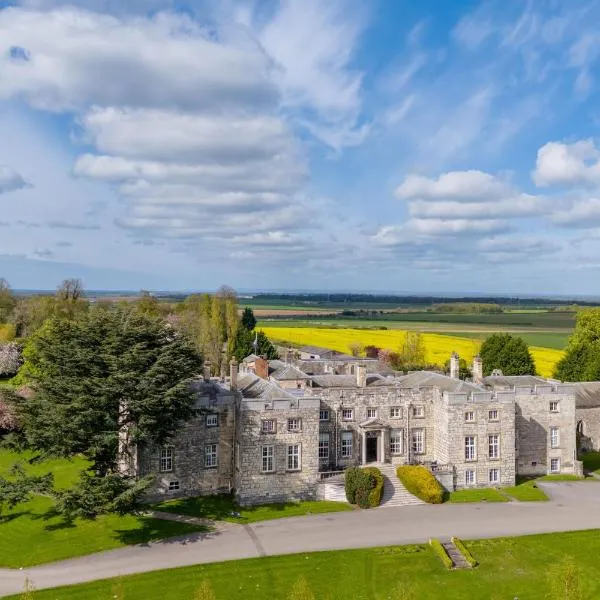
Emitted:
<point x="412" y="350"/>
<point x="508" y="353"/>
<point x="104" y="373"/>
<point x="245" y="342"/>
<point x="19" y="487"/>
<point x="148" y="305"/>
<point x="581" y="361"/>
<point x="7" y="301"/>
<point x="31" y="313"/>
<point x="248" y="319"/>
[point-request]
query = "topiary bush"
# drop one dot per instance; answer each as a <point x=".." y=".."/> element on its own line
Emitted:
<point x="364" y="486"/>
<point x="421" y="483"/>
<point x="376" y="490"/>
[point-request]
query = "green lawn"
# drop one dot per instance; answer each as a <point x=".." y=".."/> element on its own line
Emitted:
<point x="32" y="533"/>
<point x="508" y="568"/>
<point x="591" y="462"/>
<point x="476" y="495"/>
<point x="526" y="491"/>
<point x="222" y="508"/>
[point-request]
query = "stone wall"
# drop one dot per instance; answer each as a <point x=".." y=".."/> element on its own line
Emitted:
<point x="588" y="428"/>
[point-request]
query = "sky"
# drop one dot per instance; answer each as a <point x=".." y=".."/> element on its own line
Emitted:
<point x="390" y="145"/>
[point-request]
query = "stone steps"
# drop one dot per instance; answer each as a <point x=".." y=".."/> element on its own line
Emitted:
<point x="332" y="489"/>
<point x="455" y="555"/>
<point x="394" y="493"/>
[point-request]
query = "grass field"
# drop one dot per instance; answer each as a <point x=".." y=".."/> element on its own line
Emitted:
<point x="32" y="533"/>
<point x="220" y="508"/>
<point x="476" y="495"/>
<point x="437" y="347"/>
<point x="508" y="568"/>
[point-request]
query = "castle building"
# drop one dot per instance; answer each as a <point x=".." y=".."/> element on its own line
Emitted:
<point x="273" y="430"/>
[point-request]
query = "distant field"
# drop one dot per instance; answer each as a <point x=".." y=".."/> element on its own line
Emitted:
<point x="437" y="347"/>
<point x="543" y="339"/>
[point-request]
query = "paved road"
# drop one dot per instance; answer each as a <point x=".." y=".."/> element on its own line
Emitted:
<point x="573" y="506"/>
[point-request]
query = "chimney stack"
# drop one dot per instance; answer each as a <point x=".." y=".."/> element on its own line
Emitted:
<point x="233" y="374"/>
<point x="206" y="371"/>
<point x="454" y="366"/>
<point x="261" y="368"/>
<point x="361" y="376"/>
<point x="477" y="369"/>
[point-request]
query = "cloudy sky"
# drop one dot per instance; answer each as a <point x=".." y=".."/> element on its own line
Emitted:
<point x="301" y="144"/>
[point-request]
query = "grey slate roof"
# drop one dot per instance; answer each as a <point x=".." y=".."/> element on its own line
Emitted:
<point x="510" y="381"/>
<point x="346" y="381"/>
<point x="250" y="358"/>
<point x="443" y="382"/>
<point x="587" y="394"/>
<point x="284" y="372"/>
<point x="253" y="387"/>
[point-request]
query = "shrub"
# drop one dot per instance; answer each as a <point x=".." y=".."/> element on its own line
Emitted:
<point x="364" y="486"/>
<point x="350" y="480"/>
<point x="376" y="490"/>
<point x="441" y="552"/>
<point x="464" y="551"/>
<point x="420" y="482"/>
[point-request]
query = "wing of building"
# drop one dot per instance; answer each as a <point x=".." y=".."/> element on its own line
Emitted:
<point x="272" y="430"/>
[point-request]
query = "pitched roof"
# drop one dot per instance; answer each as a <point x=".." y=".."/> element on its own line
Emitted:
<point x="250" y="358"/>
<point x="253" y="387"/>
<point x="348" y="381"/>
<point x="284" y="372"/>
<point x="587" y="394"/>
<point x="510" y="381"/>
<point x="444" y="383"/>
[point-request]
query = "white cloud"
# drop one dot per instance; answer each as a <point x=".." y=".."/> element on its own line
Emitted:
<point x="582" y="214"/>
<point x="10" y="180"/>
<point x="568" y="164"/>
<point x="518" y="205"/>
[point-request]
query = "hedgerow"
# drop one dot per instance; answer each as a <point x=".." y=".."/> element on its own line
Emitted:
<point x="464" y="551"/>
<point x="421" y="483"/>
<point x="441" y="552"/>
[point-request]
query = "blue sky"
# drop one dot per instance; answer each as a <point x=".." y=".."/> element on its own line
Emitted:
<point x="341" y="145"/>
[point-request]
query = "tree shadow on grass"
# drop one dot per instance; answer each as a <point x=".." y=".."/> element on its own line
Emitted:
<point x="14" y="515"/>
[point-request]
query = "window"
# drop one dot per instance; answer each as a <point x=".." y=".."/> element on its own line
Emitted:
<point x="166" y="460"/>
<point x="418" y="441"/>
<point x="555" y="465"/>
<point x="554" y="406"/>
<point x="396" y="439"/>
<point x="493" y="415"/>
<point x="494" y="446"/>
<point x="267" y="459"/>
<point x="469" y="477"/>
<point x="323" y="415"/>
<point x="210" y="455"/>
<point x="324" y="445"/>
<point x="347" y="443"/>
<point x="494" y="476"/>
<point x="554" y="437"/>
<point x="268" y="426"/>
<point x="173" y="486"/>
<point x="469" y="416"/>
<point x="293" y="457"/>
<point x="418" y="412"/>
<point x="371" y="413"/>
<point x="347" y="414"/>
<point x="294" y="425"/>
<point x="470" y="452"/>
<point x="396" y="412"/>
<point x="212" y="420"/>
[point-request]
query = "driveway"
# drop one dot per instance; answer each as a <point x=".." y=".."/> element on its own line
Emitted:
<point x="573" y="506"/>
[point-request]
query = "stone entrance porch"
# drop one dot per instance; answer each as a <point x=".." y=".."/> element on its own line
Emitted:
<point x="373" y="439"/>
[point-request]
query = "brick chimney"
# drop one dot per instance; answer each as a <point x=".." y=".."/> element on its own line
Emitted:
<point x="361" y="376"/>
<point x="477" y="369"/>
<point x="454" y="366"/>
<point x="261" y="368"/>
<point x="233" y="374"/>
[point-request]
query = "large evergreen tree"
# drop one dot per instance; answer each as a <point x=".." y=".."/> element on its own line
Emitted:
<point x="250" y="342"/>
<point x="581" y="361"/>
<point x="508" y="353"/>
<point x="248" y="319"/>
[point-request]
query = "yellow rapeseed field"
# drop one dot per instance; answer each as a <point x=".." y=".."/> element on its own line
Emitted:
<point x="437" y="347"/>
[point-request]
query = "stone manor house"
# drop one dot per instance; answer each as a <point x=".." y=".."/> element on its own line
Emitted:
<point x="273" y="430"/>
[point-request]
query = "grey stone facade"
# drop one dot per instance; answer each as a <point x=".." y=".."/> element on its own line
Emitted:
<point x="270" y="438"/>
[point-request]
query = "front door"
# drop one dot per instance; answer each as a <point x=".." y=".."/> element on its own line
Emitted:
<point x="372" y="449"/>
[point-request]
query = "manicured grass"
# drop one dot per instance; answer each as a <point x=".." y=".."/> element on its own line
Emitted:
<point x="508" y="568"/>
<point x="563" y="477"/>
<point x="526" y="491"/>
<point x="591" y="462"/>
<point x="32" y="533"/>
<point x="476" y="495"/>
<point x="223" y="508"/>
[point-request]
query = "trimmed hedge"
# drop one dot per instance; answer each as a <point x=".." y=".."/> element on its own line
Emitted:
<point x="364" y="486"/>
<point x="464" y="551"/>
<point x="421" y="483"/>
<point x="441" y="552"/>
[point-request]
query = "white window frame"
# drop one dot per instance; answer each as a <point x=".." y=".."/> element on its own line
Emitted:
<point x="470" y="477"/>
<point x="212" y="420"/>
<point x="211" y="456"/>
<point x="371" y="413"/>
<point x="294" y="457"/>
<point x="554" y="437"/>
<point x="417" y="441"/>
<point x="294" y="425"/>
<point x="418" y="411"/>
<point x="324" y="414"/>
<point x="173" y="486"/>
<point x="557" y="462"/>
<point x="166" y="460"/>
<point x="470" y="416"/>
<point x="349" y="411"/>
<point x="554" y="406"/>
<point x="324" y="445"/>
<point x="494" y="446"/>
<point x="493" y="415"/>
<point x="397" y="442"/>
<point x="470" y="448"/>
<point x="347" y="445"/>
<point x="396" y="412"/>
<point x="268" y="459"/>
<point x="495" y="479"/>
<point x="268" y="426"/>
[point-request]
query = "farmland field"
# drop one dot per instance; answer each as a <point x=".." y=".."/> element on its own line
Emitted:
<point x="437" y="347"/>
